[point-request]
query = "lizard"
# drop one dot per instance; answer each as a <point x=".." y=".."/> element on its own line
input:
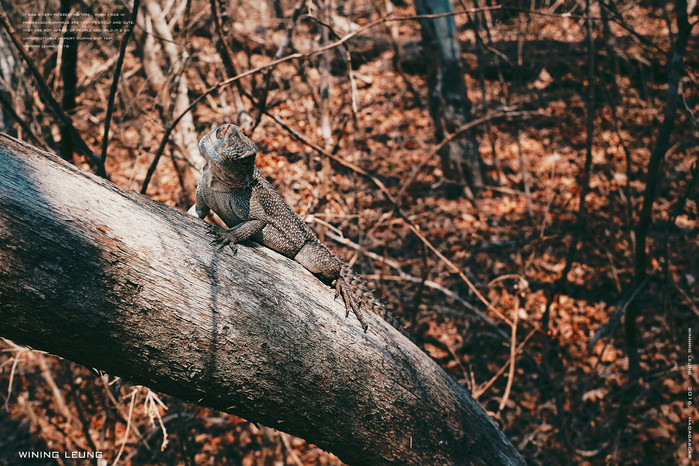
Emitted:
<point x="233" y="187"/>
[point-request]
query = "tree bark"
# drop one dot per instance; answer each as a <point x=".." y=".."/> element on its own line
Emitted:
<point x="113" y="280"/>
<point x="448" y="96"/>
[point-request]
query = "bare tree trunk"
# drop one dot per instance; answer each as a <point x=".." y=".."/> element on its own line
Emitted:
<point x="675" y="69"/>
<point x="185" y="136"/>
<point x="448" y="97"/>
<point x="244" y="120"/>
<point x="69" y="76"/>
<point x="113" y="280"/>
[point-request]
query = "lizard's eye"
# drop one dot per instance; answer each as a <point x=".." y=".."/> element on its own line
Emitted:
<point x="221" y="131"/>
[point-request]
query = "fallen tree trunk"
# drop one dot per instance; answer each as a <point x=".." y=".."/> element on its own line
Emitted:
<point x="116" y="281"/>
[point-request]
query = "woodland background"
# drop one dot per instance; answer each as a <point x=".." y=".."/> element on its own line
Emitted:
<point x="538" y="238"/>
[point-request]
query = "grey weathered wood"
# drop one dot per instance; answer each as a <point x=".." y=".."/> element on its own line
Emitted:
<point x="116" y="281"/>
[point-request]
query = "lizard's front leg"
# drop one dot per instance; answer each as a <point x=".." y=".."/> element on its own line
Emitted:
<point x="238" y="233"/>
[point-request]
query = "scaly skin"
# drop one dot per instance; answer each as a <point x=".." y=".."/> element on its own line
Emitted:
<point x="237" y="192"/>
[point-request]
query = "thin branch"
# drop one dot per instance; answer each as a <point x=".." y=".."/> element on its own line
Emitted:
<point x="654" y="174"/>
<point x="581" y="219"/>
<point x="55" y="390"/>
<point x="513" y="357"/>
<point x="296" y="135"/>
<point x="46" y="92"/>
<point x="15" y="362"/>
<point x="156" y="430"/>
<point x="22" y="123"/>
<point x="453" y="267"/>
<point x="459" y="132"/>
<point x="619" y="19"/>
<point x="410" y="278"/>
<point x="392" y="33"/>
<point x="101" y="171"/>
<point x="244" y="119"/>
<point x="523" y="167"/>
<point x="675" y="68"/>
<point x="348" y="59"/>
<point x="264" y="92"/>
<point x="477" y="393"/>
<point x="128" y="425"/>
<point x="609" y="328"/>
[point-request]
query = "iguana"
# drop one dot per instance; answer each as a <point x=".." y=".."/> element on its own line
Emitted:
<point x="233" y="187"/>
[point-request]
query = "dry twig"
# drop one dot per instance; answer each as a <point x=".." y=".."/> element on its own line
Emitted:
<point x="128" y="426"/>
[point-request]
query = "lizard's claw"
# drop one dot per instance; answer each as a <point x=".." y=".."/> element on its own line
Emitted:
<point x="223" y="239"/>
<point x="351" y="301"/>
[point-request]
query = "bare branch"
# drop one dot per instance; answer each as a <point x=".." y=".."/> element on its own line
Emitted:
<point x="113" y="89"/>
<point x="46" y="92"/>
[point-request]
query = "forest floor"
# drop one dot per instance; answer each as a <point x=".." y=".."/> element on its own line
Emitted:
<point x="568" y="402"/>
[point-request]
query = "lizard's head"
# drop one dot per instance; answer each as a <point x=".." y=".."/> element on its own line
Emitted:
<point x="228" y="144"/>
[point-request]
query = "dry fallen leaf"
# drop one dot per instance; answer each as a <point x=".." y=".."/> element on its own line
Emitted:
<point x="595" y="395"/>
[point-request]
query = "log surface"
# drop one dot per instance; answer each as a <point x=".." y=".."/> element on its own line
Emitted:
<point x="113" y="280"/>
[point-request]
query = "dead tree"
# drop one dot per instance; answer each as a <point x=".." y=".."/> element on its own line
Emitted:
<point x="113" y="280"/>
<point x="675" y="69"/>
<point x="448" y="97"/>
